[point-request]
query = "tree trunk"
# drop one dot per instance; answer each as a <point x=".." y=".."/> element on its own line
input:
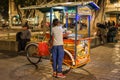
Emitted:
<point x="19" y="12"/>
<point x="98" y="16"/>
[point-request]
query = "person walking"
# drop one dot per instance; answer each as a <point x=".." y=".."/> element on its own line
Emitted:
<point x="57" y="49"/>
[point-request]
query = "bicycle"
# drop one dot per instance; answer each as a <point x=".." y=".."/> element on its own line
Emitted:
<point x="34" y="57"/>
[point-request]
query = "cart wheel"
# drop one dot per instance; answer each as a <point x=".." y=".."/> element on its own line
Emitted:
<point x="67" y="62"/>
<point x="66" y="69"/>
<point x="32" y="54"/>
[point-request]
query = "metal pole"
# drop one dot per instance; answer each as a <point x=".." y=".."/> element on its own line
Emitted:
<point x="89" y="25"/>
<point x="76" y="32"/>
<point x="51" y="11"/>
<point x="66" y="11"/>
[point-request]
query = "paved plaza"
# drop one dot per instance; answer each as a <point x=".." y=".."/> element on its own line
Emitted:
<point x="104" y="65"/>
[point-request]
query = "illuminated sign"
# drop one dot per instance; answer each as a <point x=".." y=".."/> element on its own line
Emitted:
<point x="84" y="11"/>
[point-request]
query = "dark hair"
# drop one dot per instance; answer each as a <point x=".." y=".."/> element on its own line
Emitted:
<point x="55" y="22"/>
<point x="100" y="25"/>
<point x="26" y="25"/>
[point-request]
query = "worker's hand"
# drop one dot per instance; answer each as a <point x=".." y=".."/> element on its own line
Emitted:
<point x="69" y="32"/>
<point x="65" y="35"/>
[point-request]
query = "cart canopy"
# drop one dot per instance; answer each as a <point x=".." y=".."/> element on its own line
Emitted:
<point x="61" y="6"/>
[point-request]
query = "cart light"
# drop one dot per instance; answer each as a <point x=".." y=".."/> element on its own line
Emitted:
<point x="68" y="3"/>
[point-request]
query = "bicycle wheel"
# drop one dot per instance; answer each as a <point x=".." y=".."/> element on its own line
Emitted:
<point x="32" y="54"/>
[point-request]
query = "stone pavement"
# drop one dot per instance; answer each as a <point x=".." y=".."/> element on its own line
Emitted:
<point x="104" y="65"/>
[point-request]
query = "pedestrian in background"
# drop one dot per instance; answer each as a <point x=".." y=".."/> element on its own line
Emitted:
<point x="25" y="36"/>
<point x="102" y="33"/>
<point x="112" y="33"/>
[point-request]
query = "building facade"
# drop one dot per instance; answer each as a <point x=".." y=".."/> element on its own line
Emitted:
<point x="112" y="12"/>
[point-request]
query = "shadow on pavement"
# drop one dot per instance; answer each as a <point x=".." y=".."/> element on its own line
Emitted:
<point x="10" y="54"/>
<point x="29" y="72"/>
<point x="84" y="75"/>
<point x="22" y="72"/>
<point x="7" y="54"/>
<point x="110" y="45"/>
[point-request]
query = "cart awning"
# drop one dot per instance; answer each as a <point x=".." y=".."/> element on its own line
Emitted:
<point x="92" y="5"/>
<point x="46" y="7"/>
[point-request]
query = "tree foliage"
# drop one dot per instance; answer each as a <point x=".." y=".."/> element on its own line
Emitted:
<point x="4" y="9"/>
<point x="113" y="1"/>
<point x="25" y="3"/>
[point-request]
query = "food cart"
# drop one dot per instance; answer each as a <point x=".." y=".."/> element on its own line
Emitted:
<point x="77" y="44"/>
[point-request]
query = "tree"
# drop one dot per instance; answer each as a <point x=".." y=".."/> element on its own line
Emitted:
<point x="4" y="9"/>
<point x="113" y="1"/>
<point x="98" y="16"/>
<point x="23" y="3"/>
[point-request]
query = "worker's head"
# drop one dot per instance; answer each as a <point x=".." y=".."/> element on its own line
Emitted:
<point x="56" y="22"/>
<point x="25" y="26"/>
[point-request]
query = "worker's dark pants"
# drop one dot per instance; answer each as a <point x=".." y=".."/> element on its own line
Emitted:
<point x="21" y="44"/>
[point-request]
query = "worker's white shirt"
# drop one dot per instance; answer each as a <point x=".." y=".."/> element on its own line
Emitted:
<point x="57" y="33"/>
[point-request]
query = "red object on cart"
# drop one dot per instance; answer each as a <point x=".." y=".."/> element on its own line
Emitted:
<point x="43" y="49"/>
